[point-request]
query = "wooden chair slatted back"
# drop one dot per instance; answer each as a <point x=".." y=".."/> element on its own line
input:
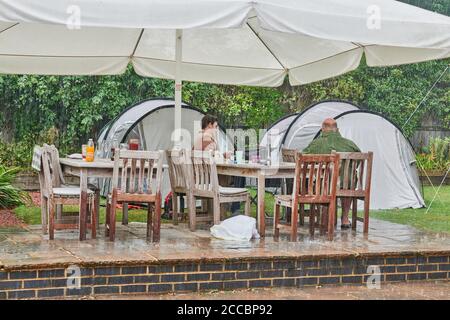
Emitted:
<point x="137" y="172"/>
<point x="316" y="177"/>
<point x="47" y="172"/>
<point x="177" y="168"/>
<point x="203" y="173"/>
<point x="356" y="170"/>
<point x="57" y="174"/>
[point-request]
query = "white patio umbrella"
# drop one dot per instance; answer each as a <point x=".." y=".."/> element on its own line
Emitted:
<point x="239" y="42"/>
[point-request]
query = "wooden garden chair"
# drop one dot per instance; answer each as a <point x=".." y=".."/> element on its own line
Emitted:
<point x="176" y="161"/>
<point x="134" y="181"/>
<point x="36" y="164"/>
<point x="59" y="181"/>
<point x="203" y="183"/>
<point x="288" y="155"/>
<point x="56" y="194"/>
<point x="354" y="183"/>
<point x="314" y="184"/>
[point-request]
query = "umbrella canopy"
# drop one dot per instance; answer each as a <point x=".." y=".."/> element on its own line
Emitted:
<point x="243" y="42"/>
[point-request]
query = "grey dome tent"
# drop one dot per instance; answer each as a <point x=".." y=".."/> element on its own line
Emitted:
<point x="297" y="130"/>
<point x="395" y="179"/>
<point x="151" y="121"/>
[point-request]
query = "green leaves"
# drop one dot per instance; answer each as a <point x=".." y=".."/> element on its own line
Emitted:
<point x="10" y="196"/>
<point x="437" y="156"/>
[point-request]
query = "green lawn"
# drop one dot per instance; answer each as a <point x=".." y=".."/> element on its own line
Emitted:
<point x="32" y="215"/>
<point x="437" y="219"/>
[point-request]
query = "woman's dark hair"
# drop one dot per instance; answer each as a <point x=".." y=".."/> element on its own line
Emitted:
<point x="208" y="119"/>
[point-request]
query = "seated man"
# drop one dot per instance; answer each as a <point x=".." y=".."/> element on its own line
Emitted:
<point x="207" y="140"/>
<point x="330" y="139"/>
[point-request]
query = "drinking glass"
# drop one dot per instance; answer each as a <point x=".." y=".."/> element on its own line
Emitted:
<point x="114" y="147"/>
<point x="83" y="151"/>
<point x="133" y="144"/>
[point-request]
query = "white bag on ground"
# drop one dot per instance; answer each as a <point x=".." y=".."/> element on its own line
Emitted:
<point x="236" y="228"/>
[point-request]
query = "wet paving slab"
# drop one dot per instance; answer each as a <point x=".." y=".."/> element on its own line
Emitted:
<point x="30" y="248"/>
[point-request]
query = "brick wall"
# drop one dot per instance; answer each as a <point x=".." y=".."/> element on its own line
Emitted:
<point x="220" y="275"/>
<point x="30" y="181"/>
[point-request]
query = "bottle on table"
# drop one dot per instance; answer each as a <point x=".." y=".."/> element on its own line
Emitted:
<point x="90" y="149"/>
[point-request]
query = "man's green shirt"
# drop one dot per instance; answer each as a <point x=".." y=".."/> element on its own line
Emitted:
<point x="329" y="141"/>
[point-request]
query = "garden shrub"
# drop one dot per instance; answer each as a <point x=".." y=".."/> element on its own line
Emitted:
<point x="10" y="196"/>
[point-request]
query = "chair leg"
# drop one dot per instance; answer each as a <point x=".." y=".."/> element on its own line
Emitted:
<point x="247" y="206"/>
<point x="97" y="209"/>
<point x="44" y="205"/>
<point x="331" y="218"/>
<point x="276" y="220"/>
<point x="150" y="210"/>
<point x="107" y="216"/>
<point x="44" y="214"/>
<point x="323" y="219"/>
<point x="216" y="210"/>
<point x="192" y="212"/>
<point x="125" y="213"/>
<point x="174" y="208"/>
<point x="294" y="223"/>
<point x="157" y="220"/>
<point x="94" y="215"/>
<point x="112" y="217"/>
<point x="182" y="207"/>
<point x="335" y="212"/>
<point x="312" y="210"/>
<point x="302" y="214"/>
<point x="51" y="219"/>
<point x="366" y="215"/>
<point x="204" y="205"/>
<point x="88" y="211"/>
<point x="354" y="213"/>
<point x="223" y="211"/>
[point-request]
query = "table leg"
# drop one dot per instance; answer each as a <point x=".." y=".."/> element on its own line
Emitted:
<point x="97" y="207"/>
<point x="83" y="203"/>
<point x="261" y="204"/>
<point x="125" y="213"/>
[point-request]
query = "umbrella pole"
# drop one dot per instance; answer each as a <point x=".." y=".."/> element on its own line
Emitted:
<point x="178" y="86"/>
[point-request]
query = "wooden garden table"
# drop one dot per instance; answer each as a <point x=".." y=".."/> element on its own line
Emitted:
<point x="103" y="168"/>
<point x="99" y="168"/>
<point x="261" y="173"/>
